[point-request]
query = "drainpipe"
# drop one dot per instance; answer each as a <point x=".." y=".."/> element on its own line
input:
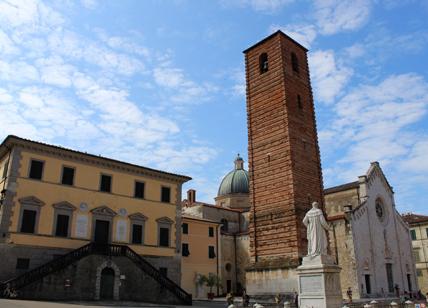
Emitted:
<point x="216" y="239"/>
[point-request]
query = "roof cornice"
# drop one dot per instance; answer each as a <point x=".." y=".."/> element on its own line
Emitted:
<point x="104" y="162"/>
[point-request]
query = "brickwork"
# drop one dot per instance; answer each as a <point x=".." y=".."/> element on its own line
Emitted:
<point x="284" y="161"/>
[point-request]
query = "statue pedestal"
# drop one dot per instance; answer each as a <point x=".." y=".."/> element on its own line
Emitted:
<point x="319" y="283"/>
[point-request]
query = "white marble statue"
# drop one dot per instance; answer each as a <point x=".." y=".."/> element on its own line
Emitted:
<point x="316" y="231"/>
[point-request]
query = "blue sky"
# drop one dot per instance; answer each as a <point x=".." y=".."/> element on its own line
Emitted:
<point x="161" y="83"/>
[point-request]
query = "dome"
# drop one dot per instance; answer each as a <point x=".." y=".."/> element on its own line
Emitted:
<point x="236" y="181"/>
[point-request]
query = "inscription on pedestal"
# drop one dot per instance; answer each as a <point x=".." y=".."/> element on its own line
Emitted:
<point x="311" y="284"/>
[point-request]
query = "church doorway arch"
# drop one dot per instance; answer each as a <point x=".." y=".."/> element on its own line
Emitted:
<point x="107" y="283"/>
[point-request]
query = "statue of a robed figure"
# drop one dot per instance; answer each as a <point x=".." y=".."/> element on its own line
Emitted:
<point x="316" y="231"/>
<point x="319" y="275"/>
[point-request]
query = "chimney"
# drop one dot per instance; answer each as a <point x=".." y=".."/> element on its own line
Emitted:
<point x="191" y="196"/>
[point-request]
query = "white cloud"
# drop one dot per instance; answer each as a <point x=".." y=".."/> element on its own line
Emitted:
<point x="334" y="16"/>
<point x="265" y="6"/>
<point x="19" y="72"/>
<point x="373" y="123"/>
<point x="181" y="89"/>
<point x="89" y="4"/>
<point x="328" y="76"/>
<point x="7" y="46"/>
<point x="305" y="34"/>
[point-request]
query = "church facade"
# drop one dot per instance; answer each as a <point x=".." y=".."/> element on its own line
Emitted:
<point x="370" y="240"/>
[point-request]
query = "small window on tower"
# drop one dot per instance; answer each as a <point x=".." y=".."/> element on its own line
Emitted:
<point x="299" y="102"/>
<point x="294" y="62"/>
<point x="263" y="62"/>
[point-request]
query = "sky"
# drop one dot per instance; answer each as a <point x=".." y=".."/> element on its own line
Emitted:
<point x="162" y="83"/>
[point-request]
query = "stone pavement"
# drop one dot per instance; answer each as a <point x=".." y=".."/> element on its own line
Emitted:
<point x="5" y="303"/>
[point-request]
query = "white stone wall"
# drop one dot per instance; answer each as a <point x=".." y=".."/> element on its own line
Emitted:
<point x="380" y="241"/>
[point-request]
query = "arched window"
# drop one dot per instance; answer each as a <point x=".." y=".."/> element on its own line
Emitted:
<point x="263" y="63"/>
<point x="294" y="62"/>
<point x="224" y="225"/>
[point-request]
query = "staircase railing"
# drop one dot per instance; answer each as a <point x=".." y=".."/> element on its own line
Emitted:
<point x="92" y="248"/>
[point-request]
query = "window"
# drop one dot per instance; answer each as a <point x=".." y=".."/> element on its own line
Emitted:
<point x="294" y="62"/>
<point x="139" y="190"/>
<point x="67" y="176"/>
<point x="416" y="255"/>
<point x="137" y="234"/>
<point x="62" y="223"/>
<point x="22" y="263"/>
<point x="390" y="277"/>
<point x="224" y="225"/>
<point x="299" y="102"/>
<point x="211" y="252"/>
<point x="105" y="183"/>
<point x="36" y="170"/>
<point x="6" y="166"/>
<point x="166" y="194"/>
<point x="413" y="234"/>
<point x="426" y="230"/>
<point x="419" y="273"/>
<point x="210" y="231"/>
<point x="263" y="63"/>
<point x="185" y="228"/>
<point x="164" y="237"/>
<point x="185" y="250"/>
<point x="409" y="282"/>
<point x="368" y="286"/>
<point x="28" y="224"/>
<point x="163" y="271"/>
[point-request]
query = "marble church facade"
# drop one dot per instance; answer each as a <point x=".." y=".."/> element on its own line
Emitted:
<point x="370" y="240"/>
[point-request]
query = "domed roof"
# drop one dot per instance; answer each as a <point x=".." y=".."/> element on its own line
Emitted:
<point x="236" y="181"/>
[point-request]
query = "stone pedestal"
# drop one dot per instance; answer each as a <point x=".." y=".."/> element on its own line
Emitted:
<point x="319" y="283"/>
<point x="269" y="282"/>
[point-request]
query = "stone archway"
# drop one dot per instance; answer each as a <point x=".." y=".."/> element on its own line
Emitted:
<point x="103" y="272"/>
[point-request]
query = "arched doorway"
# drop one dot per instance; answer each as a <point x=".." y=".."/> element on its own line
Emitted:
<point x="107" y="283"/>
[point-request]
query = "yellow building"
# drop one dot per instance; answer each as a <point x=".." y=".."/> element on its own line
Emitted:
<point x="55" y="201"/>
<point x="418" y="225"/>
<point x="200" y="254"/>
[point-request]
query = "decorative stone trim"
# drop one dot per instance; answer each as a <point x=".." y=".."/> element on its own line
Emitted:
<point x="110" y="264"/>
<point x="104" y="211"/>
<point x="137" y="217"/>
<point x="31" y="200"/>
<point x="64" y="205"/>
<point x="165" y="220"/>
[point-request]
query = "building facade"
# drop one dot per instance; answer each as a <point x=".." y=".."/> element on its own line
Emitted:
<point x="231" y="211"/>
<point x="201" y="256"/>
<point x="370" y="240"/>
<point x="418" y="225"/>
<point x="56" y="200"/>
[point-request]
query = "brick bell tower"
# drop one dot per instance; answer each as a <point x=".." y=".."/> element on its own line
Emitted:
<point x="284" y="161"/>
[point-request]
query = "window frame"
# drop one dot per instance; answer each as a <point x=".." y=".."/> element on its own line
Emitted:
<point x="135" y="189"/>
<point x="43" y="168"/>
<point x="140" y="220"/>
<point x="413" y="235"/>
<point x="213" y="255"/>
<point x="63" y="208"/>
<point x="185" y="230"/>
<point x="185" y="252"/>
<point x="62" y="175"/>
<point x="294" y="62"/>
<point x="170" y="193"/>
<point x="263" y="58"/>
<point x="111" y="183"/>
<point x="164" y="222"/>
<point x="33" y="204"/>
